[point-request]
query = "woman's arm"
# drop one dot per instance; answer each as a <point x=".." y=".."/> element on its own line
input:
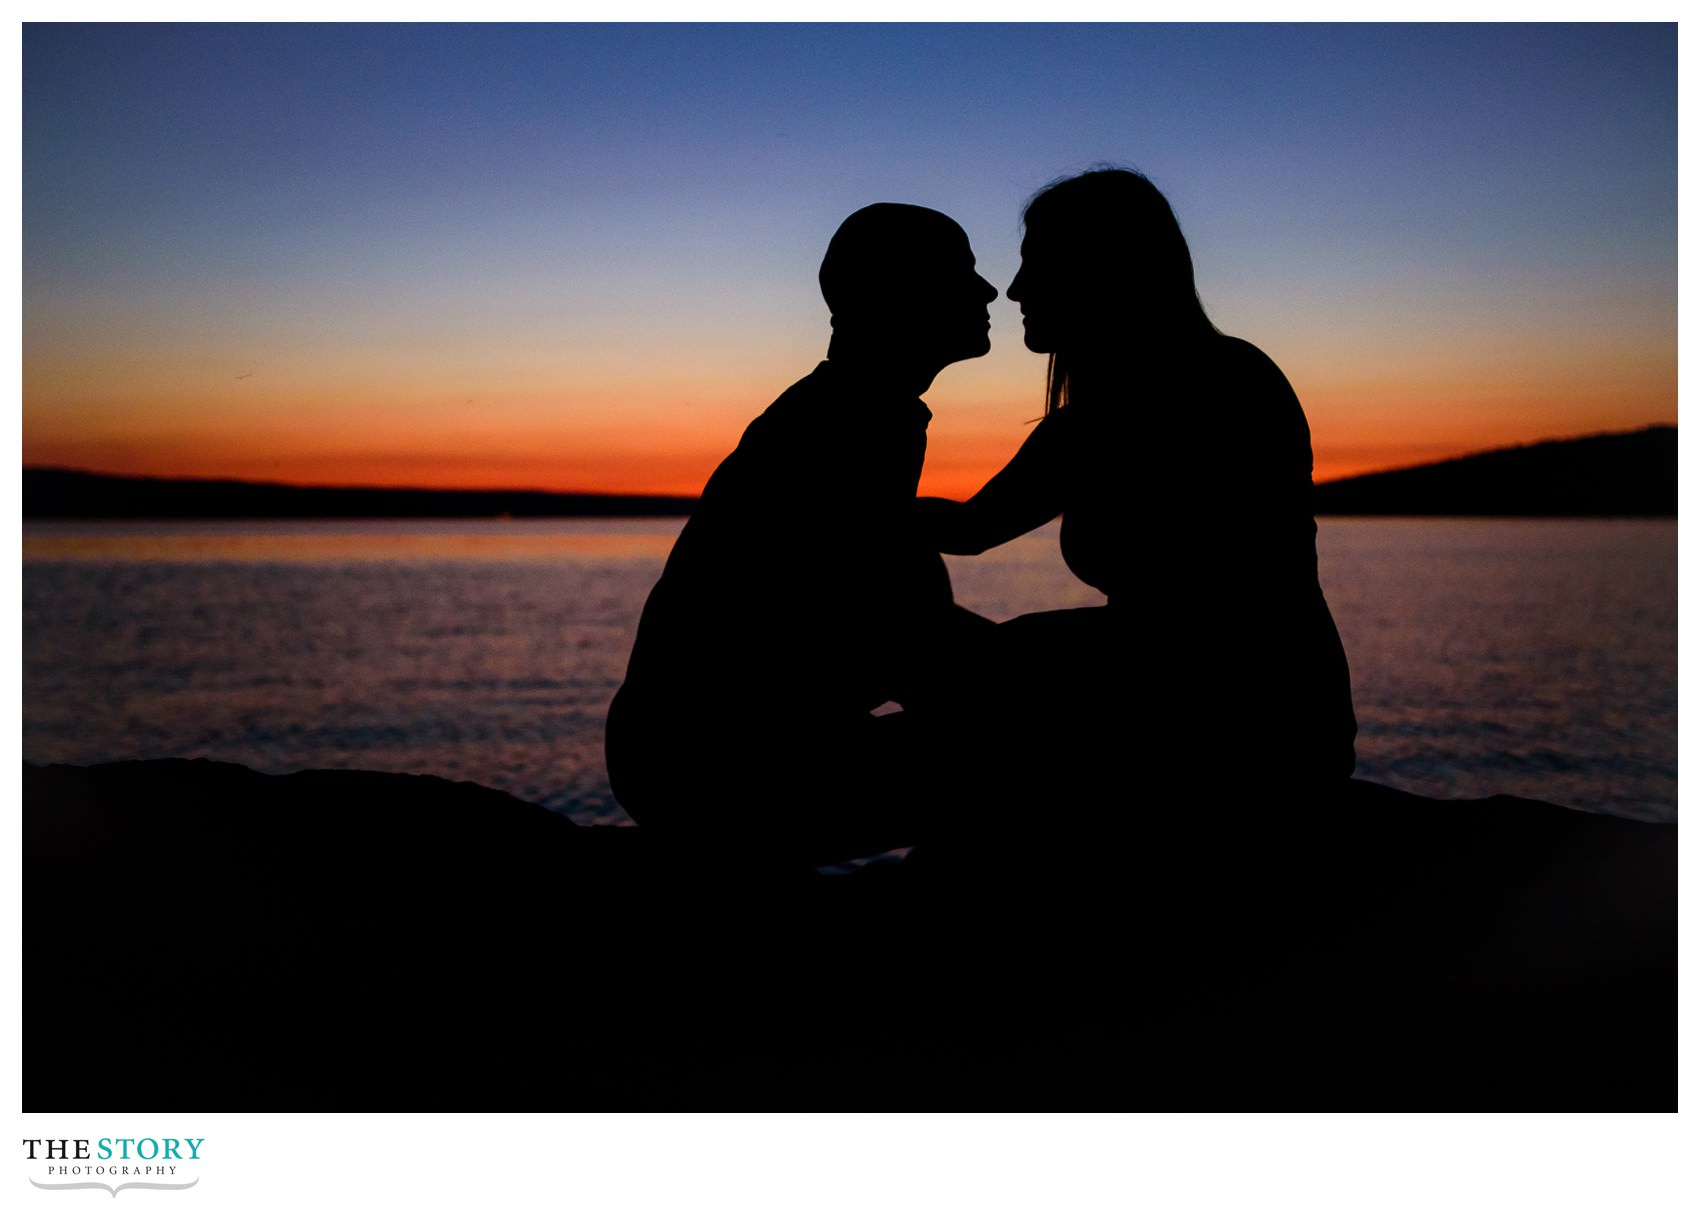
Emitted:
<point x="1025" y="494"/>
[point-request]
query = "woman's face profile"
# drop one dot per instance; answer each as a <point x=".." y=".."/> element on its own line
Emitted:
<point x="1029" y="288"/>
<point x="1051" y="289"/>
<point x="1079" y="287"/>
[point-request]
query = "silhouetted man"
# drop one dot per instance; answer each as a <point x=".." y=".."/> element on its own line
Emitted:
<point x="798" y="597"/>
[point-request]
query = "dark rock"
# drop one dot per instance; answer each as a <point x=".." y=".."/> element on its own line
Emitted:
<point x="201" y="935"/>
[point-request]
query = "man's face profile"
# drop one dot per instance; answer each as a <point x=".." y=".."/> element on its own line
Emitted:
<point x="907" y="273"/>
<point x="949" y="297"/>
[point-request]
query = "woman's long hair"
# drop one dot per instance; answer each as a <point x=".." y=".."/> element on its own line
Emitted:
<point x="1129" y="257"/>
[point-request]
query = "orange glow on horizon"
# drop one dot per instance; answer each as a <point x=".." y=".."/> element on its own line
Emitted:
<point x="649" y="437"/>
<point x="674" y="473"/>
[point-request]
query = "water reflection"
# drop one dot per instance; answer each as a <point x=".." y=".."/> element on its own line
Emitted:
<point x="1534" y="657"/>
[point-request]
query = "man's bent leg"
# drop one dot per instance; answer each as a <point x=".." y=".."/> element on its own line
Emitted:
<point x="753" y="794"/>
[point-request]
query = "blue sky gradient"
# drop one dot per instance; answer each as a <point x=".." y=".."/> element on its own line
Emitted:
<point x="608" y="234"/>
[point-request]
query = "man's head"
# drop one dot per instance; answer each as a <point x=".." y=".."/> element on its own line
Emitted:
<point x="902" y="277"/>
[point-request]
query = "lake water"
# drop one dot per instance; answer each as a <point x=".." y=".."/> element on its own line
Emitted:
<point x="1535" y="657"/>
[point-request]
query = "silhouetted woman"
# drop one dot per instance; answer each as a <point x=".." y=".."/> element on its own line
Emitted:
<point x="1180" y="462"/>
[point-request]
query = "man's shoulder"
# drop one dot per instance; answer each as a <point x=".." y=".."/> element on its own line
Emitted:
<point x="793" y="400"/>
<point x="812" y="403"/>
<point x="770" y="438"/>
<point x="811" y="386"/>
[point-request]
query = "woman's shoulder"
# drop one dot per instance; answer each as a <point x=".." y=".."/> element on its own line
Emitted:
<point x="1239" y="356"/>
<point x="1259" y="406"/>
<point x="1246" y="375"/>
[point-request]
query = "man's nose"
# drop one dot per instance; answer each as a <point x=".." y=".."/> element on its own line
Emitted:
<point x="987" y="289"/>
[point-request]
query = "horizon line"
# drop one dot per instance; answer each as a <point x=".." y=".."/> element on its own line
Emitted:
<point x="682" y="497"/>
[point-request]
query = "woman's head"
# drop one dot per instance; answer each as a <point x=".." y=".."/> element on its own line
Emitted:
<point x="1104" y="267"/>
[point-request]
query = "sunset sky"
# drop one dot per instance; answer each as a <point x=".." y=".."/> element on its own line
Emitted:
<point x="583" y="256"/>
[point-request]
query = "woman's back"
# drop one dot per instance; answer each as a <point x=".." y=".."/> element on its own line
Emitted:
<point x="1188" y="502"/>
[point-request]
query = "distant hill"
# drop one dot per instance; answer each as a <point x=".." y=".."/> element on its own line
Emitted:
<point x="1627" y="474"/>
<point x="66" y="494"/>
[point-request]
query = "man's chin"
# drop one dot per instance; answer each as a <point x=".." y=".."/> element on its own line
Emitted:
<point x="971" y="349"/>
